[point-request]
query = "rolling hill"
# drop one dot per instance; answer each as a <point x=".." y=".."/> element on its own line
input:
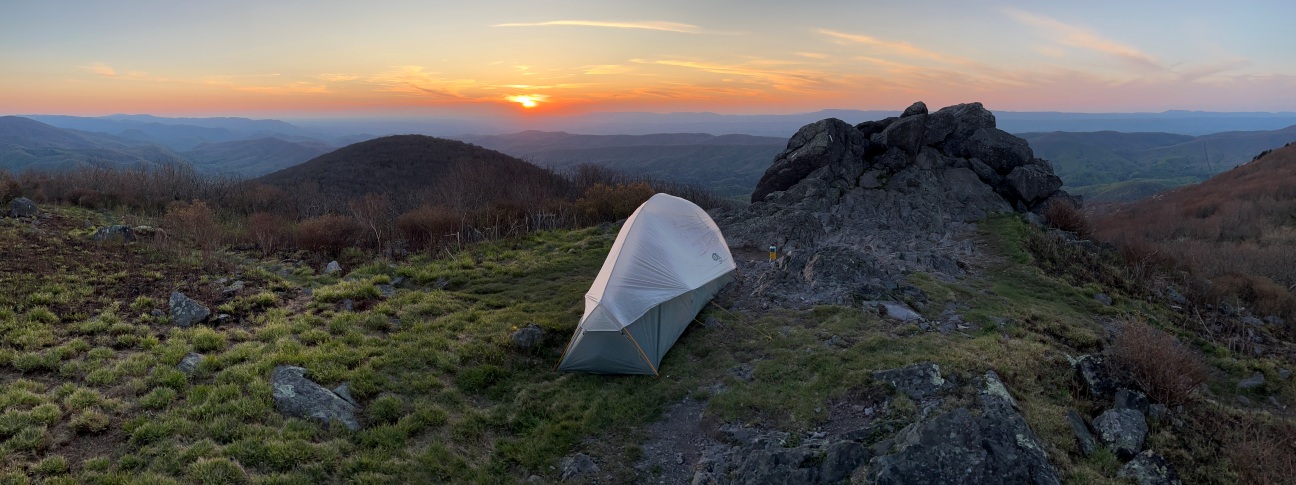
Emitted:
<point x="728" y="165"/>
<point x="27" y="144"/>
<point x="419" y="169"/>
<point x="252" y="158"/>
<point x="1113" y="166"/>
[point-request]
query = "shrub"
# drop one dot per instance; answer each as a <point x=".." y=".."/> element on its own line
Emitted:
<point x="9" y="188"/>
<point x="1159" y="364"/>
<point x="216" y="470"/>
<point x="427" y="226"/>
<point x="602" y="202"/>
<point x="327" y="234"/>
<point x="1067" y="217"/>
<point x="269" y="231"/>
<point x="194" y="220"/>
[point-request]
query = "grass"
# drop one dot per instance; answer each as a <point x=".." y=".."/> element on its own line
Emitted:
<point x="445" y="396"/>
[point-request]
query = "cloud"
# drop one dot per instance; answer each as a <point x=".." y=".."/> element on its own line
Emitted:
<point x="607" y="69"/>
<point x="799" y="81"/>
<point x="647" y="25"/>
<point x="898" y="48"/>
<point x="336" y="78"/>
<point x="1083" y="38"/>
<point x="101" y="69"/>
<point x="812" y="55"/>
<point x="1200" y="71"/>
<point x="413" y="80"/>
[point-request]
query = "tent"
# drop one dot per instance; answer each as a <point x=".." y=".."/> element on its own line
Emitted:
<point x="668" y="261"/>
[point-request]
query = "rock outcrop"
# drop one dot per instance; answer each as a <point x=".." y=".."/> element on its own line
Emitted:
<point x="186" y="311"/>
<point x="22" y="207"/>
<point x="852" y="208"/>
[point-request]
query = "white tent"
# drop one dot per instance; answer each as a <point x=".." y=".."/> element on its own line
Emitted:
<point x="668" y="261"/>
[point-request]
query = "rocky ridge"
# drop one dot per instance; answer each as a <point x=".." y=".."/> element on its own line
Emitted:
<point x="852" y="209"/>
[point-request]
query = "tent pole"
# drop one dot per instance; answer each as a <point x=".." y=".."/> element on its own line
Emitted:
<point x="566" y="349"/>
<point x="641" y="352"/>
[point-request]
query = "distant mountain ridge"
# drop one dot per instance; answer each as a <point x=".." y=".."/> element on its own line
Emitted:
<point x="252" y="158"/>
<point x="27" y="144"/>
<point x="1113" y="166"/>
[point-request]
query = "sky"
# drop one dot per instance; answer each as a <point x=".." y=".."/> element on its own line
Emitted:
<point x="320" y="58"/>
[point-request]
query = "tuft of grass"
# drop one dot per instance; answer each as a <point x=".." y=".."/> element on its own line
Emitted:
<point x="216" y="471"/>
<point x="206" y="339"/>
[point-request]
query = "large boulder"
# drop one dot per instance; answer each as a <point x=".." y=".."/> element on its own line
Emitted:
<point x="114" y="233"/>
<point x="916" y="381"/>
<point x="298" y="397"/>
<point x="993" y="445"/>
<point x="22" y="207"/>
<point x="186" y="311"/>
<point x="1149" y="468"/>
<point x="528" y="337"/>
<point x="855" y="207"/>
<point x="802" y="464"/>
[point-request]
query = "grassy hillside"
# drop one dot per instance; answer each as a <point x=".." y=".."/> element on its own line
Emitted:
<point x="91" y="393"/>
<point x="30" y="145"/>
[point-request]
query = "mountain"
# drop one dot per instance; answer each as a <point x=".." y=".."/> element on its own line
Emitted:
<point x="27" y="144"/>
<point x="252" y="158"/>
<point x="417" y="169"/>
<point x="1112" y="166"/>
<point x="181" y="133"/>
<point x="728" y="165"/>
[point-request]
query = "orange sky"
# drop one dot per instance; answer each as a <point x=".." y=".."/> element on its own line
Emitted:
<point x="302" y="59"/>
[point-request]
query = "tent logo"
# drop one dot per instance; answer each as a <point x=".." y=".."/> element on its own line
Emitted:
<point x="715" y="256"/>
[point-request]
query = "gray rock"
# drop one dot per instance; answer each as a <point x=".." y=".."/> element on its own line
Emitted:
<point x="918" y="108"/>
<point x="1127" y="399"/>
<point x="577" y="466"/>
<point x="916" y="381"/>
<point x="1031" y="184"/>
<point x="823" y="143"/>
<point x="1284" y="373"/>
<point x="332" y="267"/>
<point x="1082" y="434"/>
<point x="348" y="305"/>
<point x="385" y="291"/>
<point x="1256" y="380"/>
<point x="343" y="391"/>
<point x="233" y="288"/>
<point x="157" y="313"/>
<point x="298" y="397"/>
<point x="1175" y="297"/>
<point x="1093" y="372"/>
<point x="528" y="337"/>
<point x="1157" y="412"/>
<point x="116" y="232"/>
<point x="1122" y="431"/>
<point x="962" y="447"/>
<point x="1250" y="320"/>
<point x="1149" y="468"/>
<point x="22" y="207"/>
<point x="189" y="364"/>
<point x="1104" y="299"/>
<point x="898" y="311"/>
<point x="803" y="464"/>
<point x="1275" y="320"/>
<point x="186" y="311"/>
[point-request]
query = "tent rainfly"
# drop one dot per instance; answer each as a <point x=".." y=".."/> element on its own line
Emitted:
<point x="668" y="261"/>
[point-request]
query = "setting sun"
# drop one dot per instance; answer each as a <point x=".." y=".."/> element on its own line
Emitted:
<point x="527" y="100"/>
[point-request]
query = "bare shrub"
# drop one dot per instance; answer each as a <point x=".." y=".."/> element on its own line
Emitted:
<point x="1067" y="217"/>
<point x="1159" y="364"/>
<point x="269" y="231"/>
<point x="9" y="188"/>
<point x="425" y="227"/>
<point x="602" y="202"/>
<point x="193" y="220"/>
<point x="1262" y="454"/>
<point x="373" y="212"/>
<point x="328" y="234"/>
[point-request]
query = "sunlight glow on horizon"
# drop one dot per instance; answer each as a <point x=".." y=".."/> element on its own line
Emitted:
<point x="195" y="59"/>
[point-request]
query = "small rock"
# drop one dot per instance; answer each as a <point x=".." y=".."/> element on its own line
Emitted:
<point x="189" y="364"/>
<point x="528" y="337"/>
<point x="1127" y="399"/>
<point x="233" y="288"/>
<point x="22" y="207"/>
<point x="1250" y="320"/>
<point x="332" y="267"/>
<point x="348" y="305"/>
<point x="1095" y="376"/>
<point x="1122" y="431"/>
<point x="386" y="291"/>
<point x="1275" y="320"/>
<point x="711" y="322"/>
<point x="1242" y="400"/>
<point x="400" y="280"/>
<point x="898" y="311"/>
<point x="186" y="311"/>
<point x="576" y="466"/>
<point x="115" y="232"/>
<point x="1284" y="374"/>
<point x="1081" y="430"/>
<point x="343" y="391"/>
<point x="157" y="313"/>
<point x="440" y="283"/>
<point x="1149" y="468"/>
<point x="1256" y="380"/>
<point x="1104" y="299"/>
<point x="918" y="108"/>
<point x="298" y="397"/>
<point x="1158" y="412"/>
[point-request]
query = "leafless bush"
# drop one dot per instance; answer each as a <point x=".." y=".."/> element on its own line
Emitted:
<point x="193" y="220"/>
<point x="603" y="202"/>
<point x="269" y="231"/>
<point x="1164" y="368"/>
<point x="1262" y="453"/>
<point x="1067" y="217"/>
<point x="328" y="234"/>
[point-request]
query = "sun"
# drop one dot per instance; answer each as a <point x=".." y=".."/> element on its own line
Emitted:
<point x="527" y="100"/>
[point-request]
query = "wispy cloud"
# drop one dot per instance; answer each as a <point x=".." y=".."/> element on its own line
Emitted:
<point x="414" y="80"/>
<point x="789" y="80"/>
<point x="1076" y="36"/>
<point x="608" y="69"/>
<point x="898" y="48"/>
<point x="101" y="69"/>
<point x="645" y="25"/>
<point x="336" y="78"/>
<point x="813" y="55"/>
<point x="1196" y="72"/>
